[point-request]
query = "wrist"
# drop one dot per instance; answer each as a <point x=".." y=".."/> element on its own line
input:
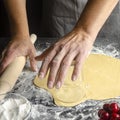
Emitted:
<point x="86" y="30"/>
<point x="20" y="36"/>
<point x="18" y="31"/>
<point x="85" y="34"/>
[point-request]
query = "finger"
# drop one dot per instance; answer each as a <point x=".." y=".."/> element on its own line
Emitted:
<point x="45" y="64"/>
<point x="78" y="66"/>
<point x="54" y="66"/>
<point x="44" y="68"/>
<point x="7" y="59"/>
<point x="33" y="62"/>
<point x="44" y="54"/>
<point x="64" y="69"/>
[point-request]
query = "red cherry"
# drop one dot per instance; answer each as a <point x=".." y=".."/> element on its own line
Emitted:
<point x="100" y="112"/>
<point x="112" y="119"/>
<point x="118" y="118"/>
<point x="106" y="107"/>
<point x="118" y="111"/>
<point x="105" y="115"/>
<point x="114" y="107"/>
<point x="114" y="116"/>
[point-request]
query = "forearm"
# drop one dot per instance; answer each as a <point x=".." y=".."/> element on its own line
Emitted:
<point x="94" y="15"/>
<point x="16" y="10"/>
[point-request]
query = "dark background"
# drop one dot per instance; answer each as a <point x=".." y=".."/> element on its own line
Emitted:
<point x="110" y="30"/>
<point x="34" y="10"/>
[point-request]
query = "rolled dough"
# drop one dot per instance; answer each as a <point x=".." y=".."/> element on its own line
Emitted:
<point x="100" y="80"/>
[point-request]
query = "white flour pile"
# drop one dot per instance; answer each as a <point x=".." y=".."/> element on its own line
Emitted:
<point x="14" y="108"/>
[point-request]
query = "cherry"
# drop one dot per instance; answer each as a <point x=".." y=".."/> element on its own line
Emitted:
<point x="100" y="112"/>
<point x="114" y="116"/>
<point x="118" y="118"/>
<point x="118" y="111"/>
<point x="104" y="115"/>
<point x="114" y="107"/>
<point x="112" y="119"/>
<point x="109" y="112"/>
<point x="106" y="107"/>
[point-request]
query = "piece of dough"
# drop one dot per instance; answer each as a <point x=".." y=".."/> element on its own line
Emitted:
<point x="100" y="79"/>
<point x="70" y="93"/>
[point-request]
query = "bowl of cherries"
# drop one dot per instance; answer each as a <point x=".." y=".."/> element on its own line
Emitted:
<point x="107" y="110"/>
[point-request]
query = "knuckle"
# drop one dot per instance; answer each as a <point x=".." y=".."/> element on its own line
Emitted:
<point x="63" y="46"/>
<point x="65" y="63"/>
<point x="47" y="59"/>
<point x="55" y="46"/>
<point x="54" y="63"/>
<point x="78" y="63"/>
<point x="60" y="46"/>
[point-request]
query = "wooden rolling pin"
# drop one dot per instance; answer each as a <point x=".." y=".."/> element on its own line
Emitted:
<point x="12" y="72"/>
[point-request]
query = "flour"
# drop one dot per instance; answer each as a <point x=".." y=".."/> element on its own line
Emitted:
<point x="42" y="102"/>
<point x="15" y="107"/>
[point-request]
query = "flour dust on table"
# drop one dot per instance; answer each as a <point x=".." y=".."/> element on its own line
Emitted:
<point x="14" y="107"/>
<point x="43" y="107"/>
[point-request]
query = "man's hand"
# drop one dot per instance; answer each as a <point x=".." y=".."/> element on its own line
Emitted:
<point x="18" y="46"/>
<point x="74" y="46"/>
<point x="77" y="44"/>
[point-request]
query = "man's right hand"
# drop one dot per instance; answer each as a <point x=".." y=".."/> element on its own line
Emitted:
<point x="18" y="46"/>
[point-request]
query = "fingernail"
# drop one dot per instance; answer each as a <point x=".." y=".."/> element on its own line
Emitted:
<point x="58" y="85"/>
<point x="50" y="84"/>
<point x="41" y="75"/>
<point x="74" y="78"/>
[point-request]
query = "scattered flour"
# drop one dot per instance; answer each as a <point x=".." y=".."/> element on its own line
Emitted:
<point x="42" y="102"/>
<point x="15" y="107"/>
